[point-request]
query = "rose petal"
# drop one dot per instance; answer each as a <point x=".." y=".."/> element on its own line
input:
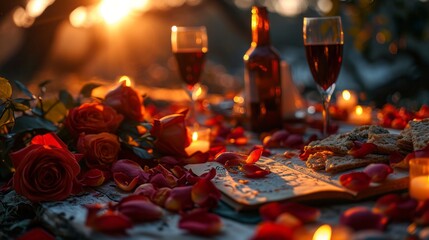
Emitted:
<point x="397" y="208"/>
<point x="360" y="150"/>
<point x="197" y="157"/>
<point x="378" y="172"/>
<point x="125" y="182"/>
<point x="127" y="167"/>
<point x="93" y="178"/>
<point x="361" y="218"/>
<point x="265" y="152"/>
<point x="36" y="233"/>
<point x="160" y="196"/>
<point x="274" y="231"/>
<point x="145" y="189"/>
<point x="140" y="210"/>
<point x="200" y="222"/>
<point x="253" y="171"/>
<point x="294" y="141"/>
<point x="205" y="194"/>
<point x="276" y="139"/>
<point x="112" y="223"/>
<point x="179" y="199"/>
<point x="49" y="139"/>
<point x="422" y="213"/>
<point x="306" y="214"/>
<point x="222" y="158"/>
<point x="289" y="220"/>
<point x="254" y="156"/>
<point x="355" y="181"/>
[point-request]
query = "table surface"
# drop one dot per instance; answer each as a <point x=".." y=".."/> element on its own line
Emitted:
<point x="67" y="218"/>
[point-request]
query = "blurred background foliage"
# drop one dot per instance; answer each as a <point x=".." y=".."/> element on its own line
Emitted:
<point x="71" y="42"/>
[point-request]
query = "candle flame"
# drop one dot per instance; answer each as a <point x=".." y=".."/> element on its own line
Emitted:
<point x="359" y="110"/>
<point x="194" y="136"/>
<point x="346" y="95"/>
<point x="324" y="232"/>
<point x="125" y="79"/>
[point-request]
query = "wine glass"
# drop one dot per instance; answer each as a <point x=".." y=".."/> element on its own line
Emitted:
<point x="189" y="45"/>
<point x="323" y="41"/>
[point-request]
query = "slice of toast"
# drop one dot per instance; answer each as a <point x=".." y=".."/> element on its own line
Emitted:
<point x="405" y="140"/>
<point x="386" y="142"/>
<point x="317" y="160"/>
<point x="420" y="133"/>
<point x="336" y="164"/>
<point x="338" y="144"/>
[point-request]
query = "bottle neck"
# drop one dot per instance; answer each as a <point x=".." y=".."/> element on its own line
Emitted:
<point x="260" y="27"/>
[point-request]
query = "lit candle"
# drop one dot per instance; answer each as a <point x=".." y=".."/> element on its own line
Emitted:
<point x="324" y="232"/>
<point x="200" y="141"/>
<point x="360" y="115"/>
<point x="347" y="100"/>
<point x="419" y="178"/>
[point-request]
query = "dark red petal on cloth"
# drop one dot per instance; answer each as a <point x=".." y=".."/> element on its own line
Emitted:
<point x="112" y="223"/>
<point x="378" y="172"/>
<point x="398" y="208"/>
<point x="127" y="167"/>
<point x="49" y="139"/>
<point x="422" y="213"/>
<point x="361" y="218"/>
<point x="146" y="189"/>
<point x="36" y="233"/>
<point x="205" y="194"/>
<point x="223" y="157"/>
<point x="395" y="157"/>
<point x="360" y="150"/>
<point x="253" y="171"/>
<point x="160" y="196"/>
<point x="92" y="178"/>
<point x="254" y="156"/>
<point x="125" y="182"/>
<point x="197" y="157"/>
<point x="200" y="222"/>
<point x="306" y="214"/>
<point x="133" y="197"/>
<point x="179" y="199"/>
<point x="140" y="210"/>
<point x="355" y="181"/>
<point x="272" y="231"/>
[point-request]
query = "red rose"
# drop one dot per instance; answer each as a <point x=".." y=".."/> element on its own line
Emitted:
<point x="90" y="118"/>
<point x="45" y="170"/>
<point x="126" y="101"/>
<point x="99" y="150"/>
<point x="171" y="135"/>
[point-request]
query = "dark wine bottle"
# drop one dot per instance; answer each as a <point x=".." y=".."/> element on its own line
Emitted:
<point x="262" y="78"/>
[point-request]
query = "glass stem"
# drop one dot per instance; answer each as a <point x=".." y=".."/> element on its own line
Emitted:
<point x="326" y="99"/>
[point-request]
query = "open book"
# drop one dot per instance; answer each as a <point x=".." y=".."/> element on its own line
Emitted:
<point x="290" y="180"/>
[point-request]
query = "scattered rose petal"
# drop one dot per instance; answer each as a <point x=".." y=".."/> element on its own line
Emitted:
<point x="92" y="178"/>
<point x="355" y="181"/>
<point x="161" y="196"/>
<point x="254" y="156"/>
<point x="361" y="218"/>
<point x="397" y="208"/>
<point x="140" y="210"/>
<point x="265" y="152"/>
<point x="253" y="171"/>
<point x="197" y="157"/>
<point x="111" y="223"/>
<point x="289" y="220"/>
<point x="179" y="199"/>
<point x="36" y="233"/>
<point x="146" y="189"/>
<point x="205" y="194"/>
<point x="201" y="222"/>
<point x="276" y="139"/>
<point x="422" y="213"/>
<point x="222" y="158"/>
<point x="360" y="150"/>
<point x="289" y="154"/>
<point x="272" y="231"/>
<point x="125" y="182"/>
<point x="306" y="214"/>
<point x="128" y="167"/>
<point x="378" y="172"/>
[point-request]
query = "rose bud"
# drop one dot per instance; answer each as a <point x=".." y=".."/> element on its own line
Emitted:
<point x="378" y="172"/>
<point x="126" y="101"/>
<point x="361" y="218"/>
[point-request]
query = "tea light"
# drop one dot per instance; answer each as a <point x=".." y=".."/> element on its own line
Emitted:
<point x="324" y="232"/>
<point x="200" y="141"/>
<point x="419" y="178"/>
<point x="347" y="100"/>
<point x="361" y="115"/>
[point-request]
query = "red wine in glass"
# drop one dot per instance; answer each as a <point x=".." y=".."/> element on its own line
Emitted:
<point x="191" y="64"/>
<point x="324" y="61"/>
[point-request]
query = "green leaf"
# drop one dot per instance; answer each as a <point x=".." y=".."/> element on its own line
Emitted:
<point x="7" y="118"/>
<point x="20" y="107"/>
<point x="54" y="110"/>
<point x="140" y="152"/>
<point x="24" y="89"/>
<point x="67" y="99"/>
<point x="5" y="88"/>
<point x="27" y="123"/>
<point x="86" y="90"/>
<point x="25" y="101"/>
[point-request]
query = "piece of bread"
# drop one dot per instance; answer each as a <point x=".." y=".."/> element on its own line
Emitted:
<point x="405" y="141"/>
<point x="336" y="164"/>
<point x="385" y="142"/>
<point x="317" y="160"/>
<point x="420" y="133"/>
<point x="338" y="144"/>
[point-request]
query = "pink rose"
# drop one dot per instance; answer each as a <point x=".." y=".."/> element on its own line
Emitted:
<point x="45" y="170"/>
<point x="99" y="150"/>
<point x="126" y="101"/>
<point x="171" y="135"/>
<point x="90" y="118"/>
